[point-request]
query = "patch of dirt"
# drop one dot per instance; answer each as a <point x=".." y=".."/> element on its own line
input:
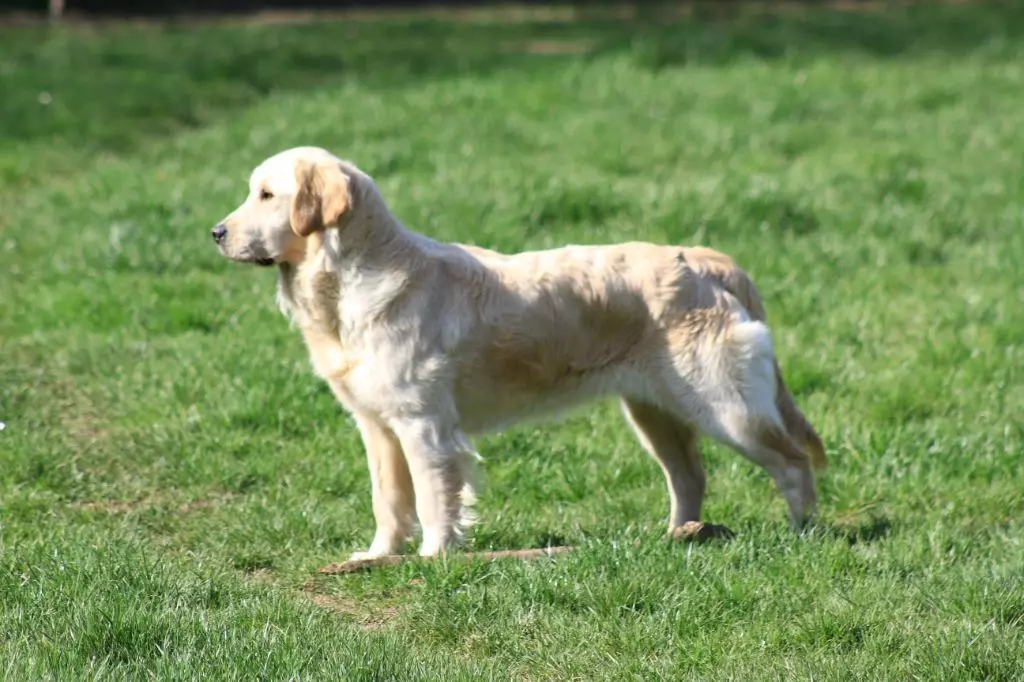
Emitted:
<point x="467" y="15"/>
<point x="109" y="506"/>
<point x="261" y="576"/>
<point x="205" y="503"/>
<point x="153" y="502"/>
<point x="83" y="427"/>
<point x="366" y="618"/>
<point x="357" y="565"/>
<point x="369" y="616"/>
<point x="79" y="419"/>
<point x="553" y="47"/>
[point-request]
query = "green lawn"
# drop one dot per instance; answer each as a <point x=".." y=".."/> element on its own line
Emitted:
<point x="172" y="475"/>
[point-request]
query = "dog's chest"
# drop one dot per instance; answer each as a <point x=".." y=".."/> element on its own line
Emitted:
<point x="331" y="360"/>
<point x="358" y="374"/>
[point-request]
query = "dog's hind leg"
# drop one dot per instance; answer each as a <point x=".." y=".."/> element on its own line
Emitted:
<point x="789" y="466"/>
<point x="674" y="445"/>
<point x="743" y="414"/>
<point x="728" y="390"/>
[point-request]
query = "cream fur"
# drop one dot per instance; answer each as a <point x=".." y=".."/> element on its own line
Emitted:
<point x="427" y="343"/>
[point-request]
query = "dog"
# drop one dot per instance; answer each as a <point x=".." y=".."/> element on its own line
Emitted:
<point x="427" y="344"/>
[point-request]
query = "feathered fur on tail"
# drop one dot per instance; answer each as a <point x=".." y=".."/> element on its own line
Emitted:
<point x="733" y="279"/>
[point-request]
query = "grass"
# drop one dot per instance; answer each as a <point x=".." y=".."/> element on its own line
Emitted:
<point x="171" y="475"/>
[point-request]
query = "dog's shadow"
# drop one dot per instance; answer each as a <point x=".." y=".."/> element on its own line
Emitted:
<point x="873" y="529"/>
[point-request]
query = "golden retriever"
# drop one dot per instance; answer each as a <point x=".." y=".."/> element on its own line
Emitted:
<point x="426" y="343"/>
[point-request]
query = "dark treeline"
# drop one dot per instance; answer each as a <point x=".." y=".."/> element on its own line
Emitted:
<point x="171" y="7"/>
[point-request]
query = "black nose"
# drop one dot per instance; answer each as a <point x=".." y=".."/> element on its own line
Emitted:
<point x="219" y="232"/>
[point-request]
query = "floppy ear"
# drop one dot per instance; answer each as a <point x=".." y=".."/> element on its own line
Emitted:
<point x="323" y="197"/>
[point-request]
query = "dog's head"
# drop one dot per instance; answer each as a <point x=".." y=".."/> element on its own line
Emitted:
<point x="292" y="196"/>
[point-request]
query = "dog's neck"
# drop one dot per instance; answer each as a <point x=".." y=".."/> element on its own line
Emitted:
<point x="300" y="296"/>
<point x="370" y="239"/>
<point x="371" y="251"/>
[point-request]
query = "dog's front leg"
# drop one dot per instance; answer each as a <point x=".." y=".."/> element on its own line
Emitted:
<point x="393" y="497"/>
<point x="434" y="450"/>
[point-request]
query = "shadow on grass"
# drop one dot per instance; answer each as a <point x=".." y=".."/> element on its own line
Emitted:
<point x="106" y="87"/>
<point x="871" y="530"/>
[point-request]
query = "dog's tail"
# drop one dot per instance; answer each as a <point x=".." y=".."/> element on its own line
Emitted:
<point x="733" y="279"/>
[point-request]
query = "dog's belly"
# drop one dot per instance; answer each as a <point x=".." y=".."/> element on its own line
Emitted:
<point x="488" y="411"/>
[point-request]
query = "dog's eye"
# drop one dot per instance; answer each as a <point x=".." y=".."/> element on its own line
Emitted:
<point x="265" y="195"/>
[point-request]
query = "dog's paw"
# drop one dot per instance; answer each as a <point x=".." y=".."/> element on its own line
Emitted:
<point x="697" y="531"/>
